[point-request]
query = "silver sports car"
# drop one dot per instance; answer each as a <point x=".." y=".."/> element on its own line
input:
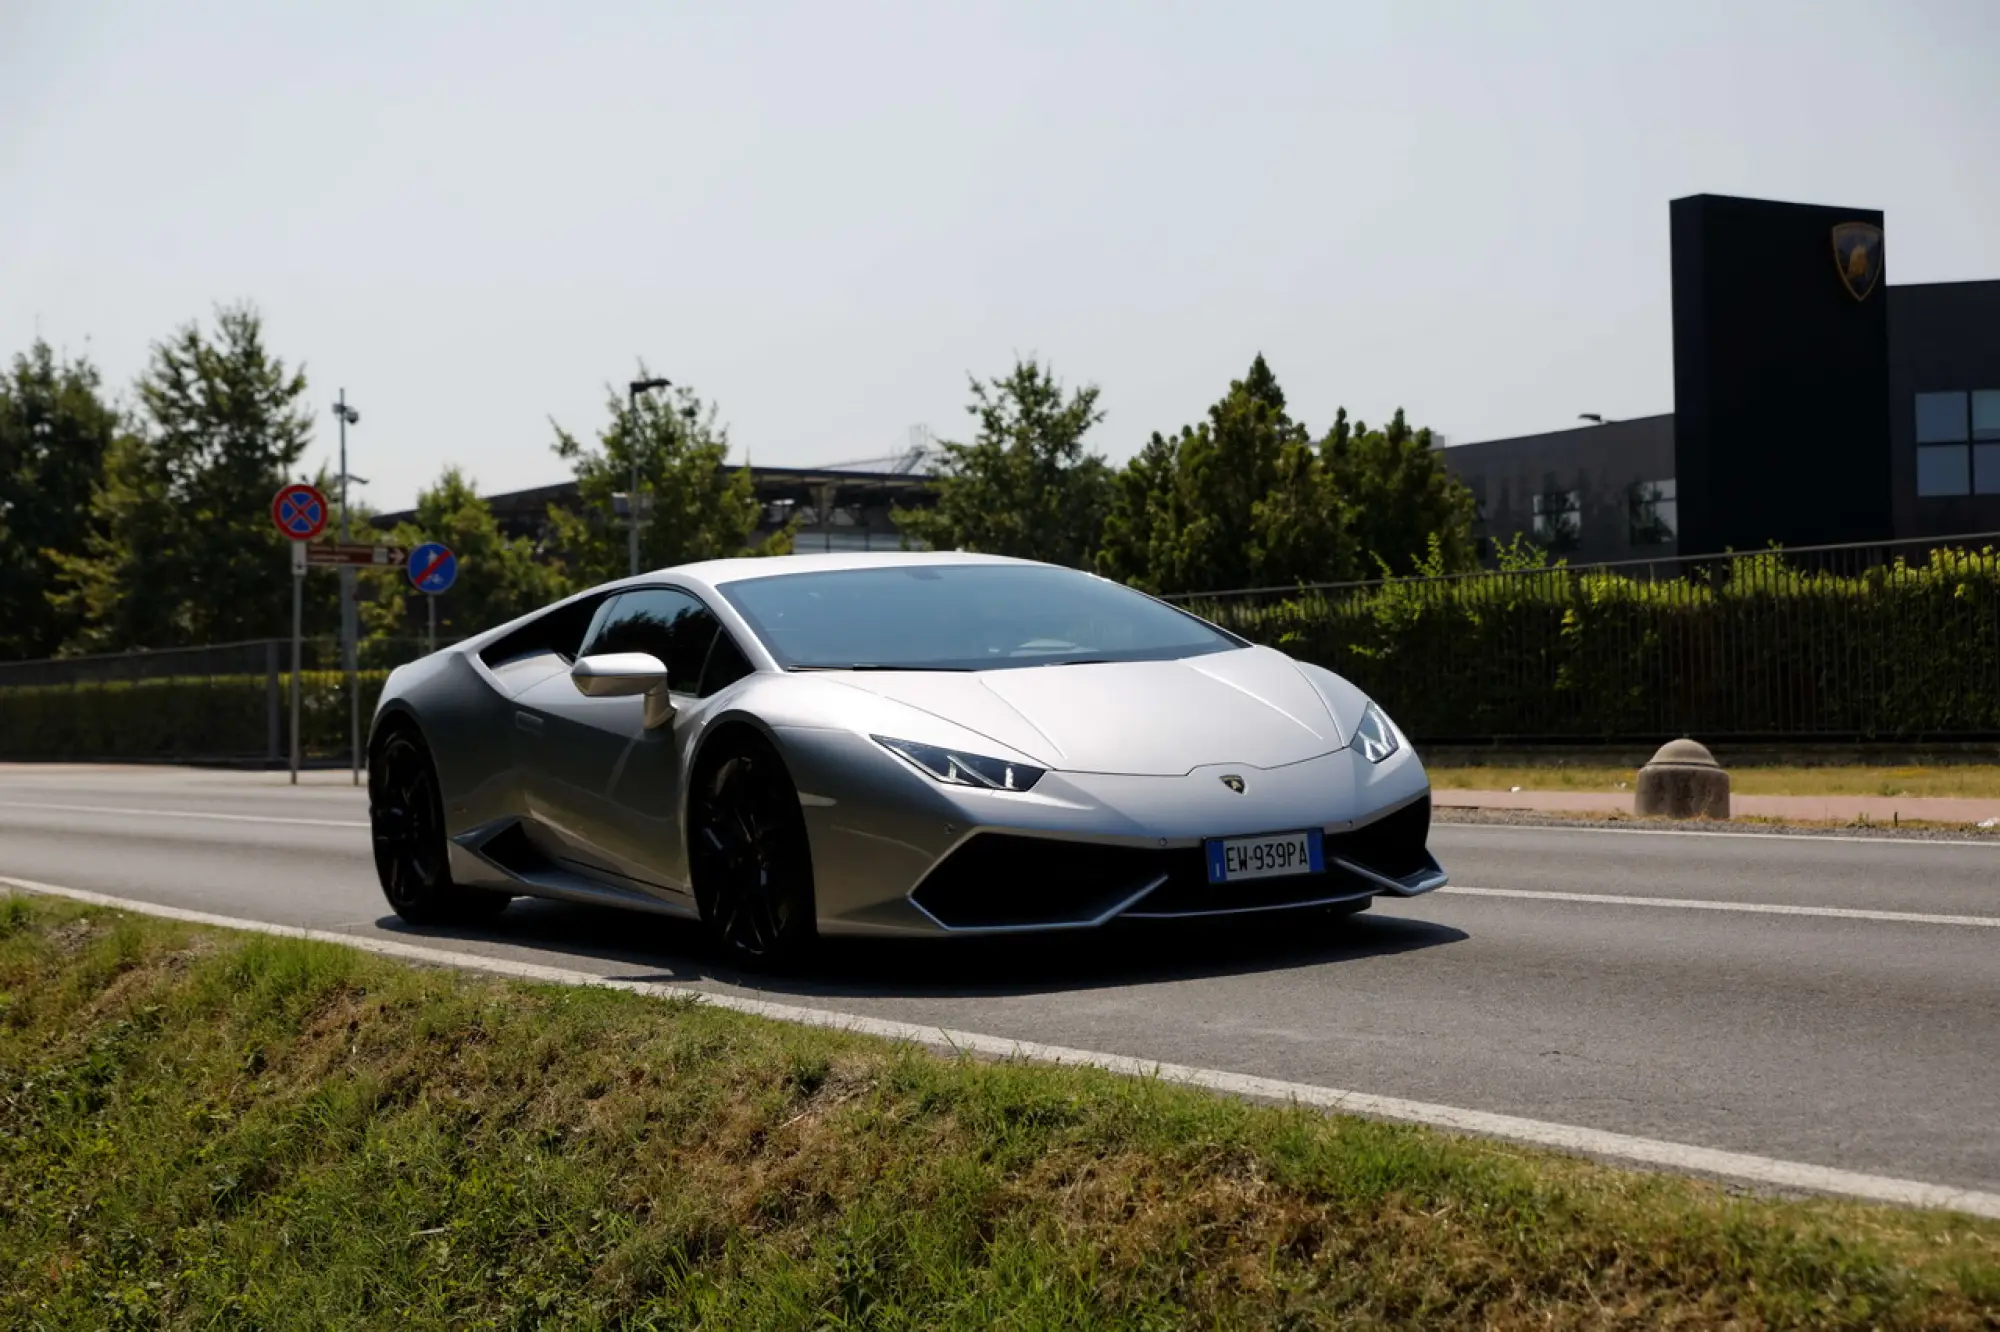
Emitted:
<point x="910" y="744"/>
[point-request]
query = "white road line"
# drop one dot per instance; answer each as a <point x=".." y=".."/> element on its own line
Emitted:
<point x="1703" y="904"/>
<point x="1990" y="844"/>
<point x="187" y="814"/>
<point x="1561" y="1137"/>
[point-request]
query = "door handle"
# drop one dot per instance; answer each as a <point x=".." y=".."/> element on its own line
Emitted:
<point x="527" y="721"/>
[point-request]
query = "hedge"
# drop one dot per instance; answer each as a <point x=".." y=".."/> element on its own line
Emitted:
<point x="1758" y="646"/>
<point x="202" y="717"/>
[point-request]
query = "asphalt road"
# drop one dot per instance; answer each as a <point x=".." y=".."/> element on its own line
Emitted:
<point x="1852" y="1042"/>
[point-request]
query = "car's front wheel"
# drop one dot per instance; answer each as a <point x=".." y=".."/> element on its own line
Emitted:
<point x="406" y="820"/>
<point x="751" y="862"/>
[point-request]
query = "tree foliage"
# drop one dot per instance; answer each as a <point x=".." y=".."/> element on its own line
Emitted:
<point x="1247" y="498"/>
<point x="1027" y="485"/>
<point x="701" y="509"/>
<point x="1404" y="509"/>
<point x="499" y="577"/>
<point x="182" y="548"/>
<point x="55" y="427"/>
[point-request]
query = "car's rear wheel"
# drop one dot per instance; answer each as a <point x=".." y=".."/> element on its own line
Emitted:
<point x="751" y="861"/>
<point x="406" y="819"/>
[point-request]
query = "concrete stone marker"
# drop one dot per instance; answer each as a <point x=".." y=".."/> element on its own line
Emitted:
<point x="1683" y="781"/>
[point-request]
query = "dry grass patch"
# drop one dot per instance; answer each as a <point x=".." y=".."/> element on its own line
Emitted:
<point x="1967" y="780"/>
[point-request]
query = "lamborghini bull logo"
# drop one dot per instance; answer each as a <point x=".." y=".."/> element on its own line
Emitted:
<point x="1857" y="255"/>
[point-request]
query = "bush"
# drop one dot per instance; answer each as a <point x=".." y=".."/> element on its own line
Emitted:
<point x="1759" y="646"/>
<point x="200" y="717"/>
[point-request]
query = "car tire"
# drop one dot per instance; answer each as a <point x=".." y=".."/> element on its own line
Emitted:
<point x="750" y="858"/>
<point x="406" y="822"/>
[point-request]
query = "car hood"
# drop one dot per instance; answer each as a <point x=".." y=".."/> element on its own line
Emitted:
<point x="1251" y="706"/>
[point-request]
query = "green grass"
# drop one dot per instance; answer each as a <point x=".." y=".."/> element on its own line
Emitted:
<point x="204" y="1129"/>
<point x="1979" y="780"/>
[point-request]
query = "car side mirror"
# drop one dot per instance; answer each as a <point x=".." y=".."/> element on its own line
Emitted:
<point x="623" y="675"/>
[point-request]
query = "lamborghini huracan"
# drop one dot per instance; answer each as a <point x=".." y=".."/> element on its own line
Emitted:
<point x="876" y="744"/>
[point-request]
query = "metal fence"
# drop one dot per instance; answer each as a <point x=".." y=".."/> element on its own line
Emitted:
<point x="1891" y="641"/>
<point x="223" y="702"/>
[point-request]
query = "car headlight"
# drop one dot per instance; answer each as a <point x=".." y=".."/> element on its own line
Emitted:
<point x="1375" y="737"/>
<point x="956" y="768"/>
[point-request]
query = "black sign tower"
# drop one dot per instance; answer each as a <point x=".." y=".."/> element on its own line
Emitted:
<point x="1781" y="374"/>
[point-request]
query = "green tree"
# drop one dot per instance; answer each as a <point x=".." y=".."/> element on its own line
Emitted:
<point x="1404" y="507"/>
<point x="55" y="428"/>
<point x="701" y="509"/>
<point x="1026" y="485"/>
<point x="183" y="549"/>
<point x="1241" y="500"/>
<point x="499" y="577"/>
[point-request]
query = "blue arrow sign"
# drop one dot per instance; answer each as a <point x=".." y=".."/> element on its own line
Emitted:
<point x="433" y="567"/>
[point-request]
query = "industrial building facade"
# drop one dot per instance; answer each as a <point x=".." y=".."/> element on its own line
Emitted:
<point x="1815" y="404"/>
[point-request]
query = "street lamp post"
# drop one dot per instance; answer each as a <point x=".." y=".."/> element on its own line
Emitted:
<point x="632" y="446"/>
<point x="347" y="416"/>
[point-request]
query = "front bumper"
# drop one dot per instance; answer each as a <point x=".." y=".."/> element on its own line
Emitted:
<point x="895" y="852"/>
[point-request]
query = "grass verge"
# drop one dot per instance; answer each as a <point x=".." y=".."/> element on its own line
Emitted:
<point x="1980" y="781"/>
<point x="199" y="1128"/>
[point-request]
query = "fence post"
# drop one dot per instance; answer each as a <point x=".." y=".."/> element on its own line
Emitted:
<point x="273" y="712"/>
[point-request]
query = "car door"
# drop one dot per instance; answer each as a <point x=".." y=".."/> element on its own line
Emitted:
<point x="605" y="787"/>
<point x="643" y="810"/>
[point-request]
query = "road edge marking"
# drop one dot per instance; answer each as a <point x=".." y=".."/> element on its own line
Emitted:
<point x="1805" y="833"/>
<point x="132" y="811"/>
<point x="1570" y="1138"/>
<point x="1709" y="904"/>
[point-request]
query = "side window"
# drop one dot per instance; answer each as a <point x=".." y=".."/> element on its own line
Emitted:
<point x="726" y="665"/>
<point x="670" y="625"/>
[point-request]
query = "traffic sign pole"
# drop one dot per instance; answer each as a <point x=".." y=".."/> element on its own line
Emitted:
<point x="299" y="510"/>
<point x="431" y="637"/>
<point x="298" y="610"/>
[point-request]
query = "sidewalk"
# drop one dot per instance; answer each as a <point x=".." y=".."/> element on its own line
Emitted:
<point x="1804" y="809"/>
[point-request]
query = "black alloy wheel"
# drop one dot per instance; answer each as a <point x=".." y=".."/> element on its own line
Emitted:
<point x="406" y="818"/>
<point x="751" y="861"/>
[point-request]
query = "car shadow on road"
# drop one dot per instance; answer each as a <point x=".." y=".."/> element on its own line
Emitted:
<point x="649" y="948"/>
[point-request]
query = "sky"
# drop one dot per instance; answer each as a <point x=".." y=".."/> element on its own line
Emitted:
<point x="475" y="217"/>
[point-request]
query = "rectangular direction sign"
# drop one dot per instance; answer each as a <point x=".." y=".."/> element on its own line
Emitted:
<point x="335" y="555"/>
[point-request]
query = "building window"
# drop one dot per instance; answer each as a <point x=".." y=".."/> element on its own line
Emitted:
<point x="1958" y="443"/>
<point x="1559" y="519"/>
<point x="1943" y="471"/>
<point x="1941" y="418"/>
<point x="1986" y="414"/>
<point x="1986" y="469"/>
<point x="1654" y="513"/>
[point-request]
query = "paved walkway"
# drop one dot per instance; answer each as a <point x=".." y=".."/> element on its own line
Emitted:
<point x="1814" y="809"/>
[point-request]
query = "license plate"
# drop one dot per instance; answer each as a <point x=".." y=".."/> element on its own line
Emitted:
<point x="1231" y="859"/>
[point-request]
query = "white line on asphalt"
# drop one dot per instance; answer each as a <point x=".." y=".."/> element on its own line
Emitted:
<point x="1807" y="835"/>
<point x="187" y="814"/>
<point x="1703" y="904"/>
<point x="1561" y="1137"/>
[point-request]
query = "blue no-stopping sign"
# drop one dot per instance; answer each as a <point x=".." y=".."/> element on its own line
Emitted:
<point x="433" y="567"/>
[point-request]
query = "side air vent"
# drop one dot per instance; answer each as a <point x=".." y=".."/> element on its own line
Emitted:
<point x="511" y="850"/>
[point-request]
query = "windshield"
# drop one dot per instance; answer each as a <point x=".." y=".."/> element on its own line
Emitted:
<point x="962" y="617"/>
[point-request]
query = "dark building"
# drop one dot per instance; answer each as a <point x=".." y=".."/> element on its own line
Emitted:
<point x="1944" y="395"/>
<point x="838" y="509"/>
<point x="1602" y="492"/>
<point x="1781" y="375"/>
<point x="1814" y="405"/>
